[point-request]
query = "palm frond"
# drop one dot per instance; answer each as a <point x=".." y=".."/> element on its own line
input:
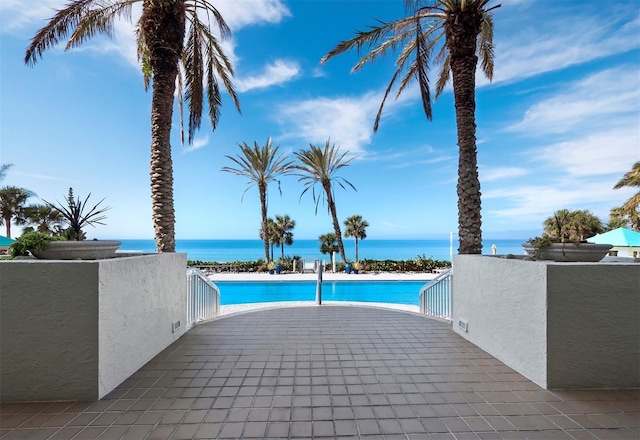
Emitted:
<point x="445" y="74"/>
<point x="630" y="178"/>
<point x="210" y="66"/>
<point x="144" y="58"/>
<point x="485" y="45"/>
<point x="194" y="73"/>
<point x="376" y="123"/>
<point x="210" y="9"/>
<point x="83" y="19"/>
<point x="362" y="39"/>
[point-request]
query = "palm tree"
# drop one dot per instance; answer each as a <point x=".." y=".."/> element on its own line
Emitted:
<point x="454" y="34"/>
<point x="328" y="243"/>
<point x="584" y="224"/>
<point x="320" y="165"/>
<point x="630" y="210"/>
<point x="45" y="219"/>
<point x="272" y="236"/>
<point x="262" y="165"/>
<point x="356" y="227"/>
<point x="283" y="226"/>
<point x="557" y="226"/>
<point x="162" y="49"/>
<point x="572" y="225"/>
<point x="619" y="217"/>
<point x="12" y="206"/>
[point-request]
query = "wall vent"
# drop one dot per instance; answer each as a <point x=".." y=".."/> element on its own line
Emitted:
<point x="463" y="325"/>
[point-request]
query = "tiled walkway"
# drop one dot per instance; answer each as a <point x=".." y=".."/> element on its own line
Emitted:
<point x="328" y="372"/>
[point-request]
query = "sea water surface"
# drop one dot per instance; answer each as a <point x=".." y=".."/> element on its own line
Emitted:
<point x="247" y="250"/>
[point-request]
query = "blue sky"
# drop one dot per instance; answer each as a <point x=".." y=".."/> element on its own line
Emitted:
<point x="557" y="127"/>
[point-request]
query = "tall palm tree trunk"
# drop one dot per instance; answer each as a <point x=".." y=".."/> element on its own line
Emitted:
<point x="461" y="40"/>
<point x="356" y="240"/>
<point x="334" y="216"/>
<point x="164" y="23"/>
<point x="262" y="189"/>
<point x="7" y="222"/>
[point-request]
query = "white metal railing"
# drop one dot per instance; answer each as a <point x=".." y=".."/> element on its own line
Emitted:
<point x="203" y="297"/>
<point x="435" y="296"/>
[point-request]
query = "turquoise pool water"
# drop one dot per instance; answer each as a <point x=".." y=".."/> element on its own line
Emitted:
<point x="394" y="292"/>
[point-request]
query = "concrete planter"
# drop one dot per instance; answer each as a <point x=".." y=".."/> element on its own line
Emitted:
<point x="570" y="252"/>
<point x="79" y="250"/>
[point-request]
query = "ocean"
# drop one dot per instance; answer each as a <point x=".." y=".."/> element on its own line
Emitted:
<point x="247" y="250"/>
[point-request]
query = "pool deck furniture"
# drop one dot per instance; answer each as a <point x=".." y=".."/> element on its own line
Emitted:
<point x="330" y="372"/>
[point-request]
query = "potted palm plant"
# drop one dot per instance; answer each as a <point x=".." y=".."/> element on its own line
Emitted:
<point x="563" y="240"/>
<point x="77" y="214"/>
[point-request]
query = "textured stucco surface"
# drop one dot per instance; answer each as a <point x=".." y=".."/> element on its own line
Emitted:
<point x="48" y="330"/>
<point x="140" y="298"/>
<point x="562" y="325"/>
<point x="505" y="306"/>
<point x="74" y="330"/>
<point x="594" y="326"/>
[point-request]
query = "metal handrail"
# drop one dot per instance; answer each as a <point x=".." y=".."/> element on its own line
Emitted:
<point x="203" y="297"/>
<point x="435" y="296"/>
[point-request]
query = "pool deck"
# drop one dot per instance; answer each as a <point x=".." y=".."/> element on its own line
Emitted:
<point x="329" y="372"/>
<point x="326" y="276"/>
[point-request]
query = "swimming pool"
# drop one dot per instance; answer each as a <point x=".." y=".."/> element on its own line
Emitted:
<point x="394" y="292"/>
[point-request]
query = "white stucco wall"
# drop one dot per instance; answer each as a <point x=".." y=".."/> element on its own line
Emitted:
<point x="48" y="330"/>
<point x="562" y="325"/>
<point x="140" y="299"/>
<point x="74" y="330"/>
<point x="593" y="326"/>
<point x="504" y="303"/>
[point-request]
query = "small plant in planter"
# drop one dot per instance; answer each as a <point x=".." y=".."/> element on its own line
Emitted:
<point x="356" y="267"/>
<point x="271" y="266"/>
<point x="74" y="211"/>
<point x="33" y="242"/>
<point x="77" y="214"/>
<point x="540" y="243"/>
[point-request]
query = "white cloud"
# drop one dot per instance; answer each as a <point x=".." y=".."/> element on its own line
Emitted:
<point x="278" y="72"/>
<point x="488" y="174"/>
<point x="530" y="50"/>
<point x="597" y="100"/>
<point x="197" y="144"/>
<point x="347" y="121"/>
<point x="239" y="14"/>
<point x="605" y="153"/>
<point x="15" y="15"/>
<point x="525" y="203"/>
<point x="41" y="176"/>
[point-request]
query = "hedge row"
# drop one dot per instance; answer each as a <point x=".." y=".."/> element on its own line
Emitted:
<point x="419" y="264"/>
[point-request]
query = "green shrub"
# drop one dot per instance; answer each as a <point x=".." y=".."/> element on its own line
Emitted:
<point x="33" y="242"/>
